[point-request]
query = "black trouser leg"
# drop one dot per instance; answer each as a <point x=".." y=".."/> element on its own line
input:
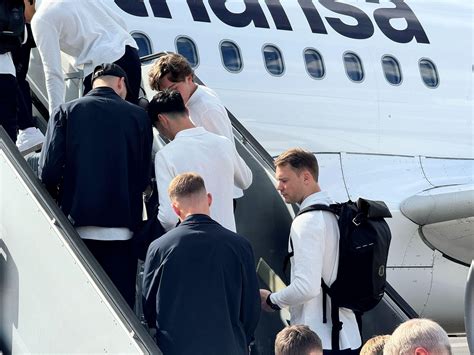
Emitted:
<point x="119" y="262"/>
<point x="8" y="104"/>
<point x="130" y="63"/>
<point x="25" y="113"/>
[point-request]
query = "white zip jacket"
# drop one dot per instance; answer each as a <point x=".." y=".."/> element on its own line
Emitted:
<point x="206" y="110"/>
<point x="87" y="30"/>
<point x="211" y="156"/>
<point x="315" y="237"/>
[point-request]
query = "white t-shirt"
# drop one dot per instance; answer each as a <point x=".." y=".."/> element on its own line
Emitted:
<point x="6" y="64"/>
<point x="211" y="156"/>
<point x="315" y="237"/>
<point x="206" y="110"/>
<point x="87" y="30"/>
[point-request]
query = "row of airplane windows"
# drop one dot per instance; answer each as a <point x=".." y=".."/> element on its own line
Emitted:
<point x="274" y="63"/>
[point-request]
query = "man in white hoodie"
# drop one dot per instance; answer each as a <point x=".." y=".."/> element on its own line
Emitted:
<point x="315" y="244"/>
<point x="91" y="33"/>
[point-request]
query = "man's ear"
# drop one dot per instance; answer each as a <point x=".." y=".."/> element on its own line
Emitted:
<point x="307" y="176"/>
<point x="421" y="351"/>
<point x="209" y="199"/>
<point x="176" y="209"/>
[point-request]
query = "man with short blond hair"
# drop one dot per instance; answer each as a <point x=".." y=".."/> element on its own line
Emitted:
<point x="200" y="287"/>
<point x="298" y="340"/>
<point x="418" y="337"/>
<point x="314" y="242"/>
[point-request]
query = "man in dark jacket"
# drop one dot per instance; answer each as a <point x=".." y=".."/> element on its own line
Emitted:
<point x="200" y="287"/>
<point x="96" y="161"/>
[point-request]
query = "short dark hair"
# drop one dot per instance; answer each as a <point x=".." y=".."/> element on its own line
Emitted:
<point x="174" y="64"/>
<point x="297" y="340"/>
<point x="186" y="184"/>
<point x="166" y="101"/>
<point x="299" y="159"/>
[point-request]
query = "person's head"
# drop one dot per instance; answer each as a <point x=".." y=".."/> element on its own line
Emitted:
<point x="110" y="75"/>
<point x="188" y="195"/>
<point x="298" y="340"/>
<point x="168" y="113"/>
<point x="418" y="337"/>
<point x="172" y="71"/>
<point x="297" y="174"/>
<point x="375" y="345"/>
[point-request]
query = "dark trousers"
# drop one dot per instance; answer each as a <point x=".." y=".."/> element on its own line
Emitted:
<point x="130" y="63"/>
<point x="21" y="59"/>
<point x="25" y="111"/>
<point x="8" y="104"/>
<point x="119" y="262"/>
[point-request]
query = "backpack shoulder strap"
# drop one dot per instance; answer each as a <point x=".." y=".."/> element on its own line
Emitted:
<point x="316" y="207"/>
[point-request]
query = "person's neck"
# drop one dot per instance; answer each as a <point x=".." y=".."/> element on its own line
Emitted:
<point x="193" y="90"/>
<point x="186" y="124"/>
<point x="310" y="192"/>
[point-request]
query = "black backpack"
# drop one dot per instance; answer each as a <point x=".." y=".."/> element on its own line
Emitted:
<point x="12" y="25"/>
<point x="363" y="250"/>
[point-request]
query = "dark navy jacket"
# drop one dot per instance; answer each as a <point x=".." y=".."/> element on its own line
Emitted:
<point x="98" y="149"/>
<point x="200" y="289"/>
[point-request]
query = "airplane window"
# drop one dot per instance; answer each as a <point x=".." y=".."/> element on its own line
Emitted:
<point x="314" y="63"/>
<point x="429" y="74"/>
<point x="354" y="68"/>
<point x="392" y="70"/>
<point x="231" y="57"/>
<point x="186" y="47"/>
<point x="143" y="43"/>
<point x="273" y="60"/>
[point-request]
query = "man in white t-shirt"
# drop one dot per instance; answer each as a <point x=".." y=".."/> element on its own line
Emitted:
<point x="194" y="149"/>
<point x="91" y="33"/>
<point x="315" y="239"/>
<point x="172" y="71"/>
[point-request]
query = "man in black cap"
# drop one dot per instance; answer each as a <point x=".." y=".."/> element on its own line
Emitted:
<point x="96" y="161"/>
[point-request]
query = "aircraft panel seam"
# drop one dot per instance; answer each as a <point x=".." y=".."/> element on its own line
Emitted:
<point x="420" y="159"/>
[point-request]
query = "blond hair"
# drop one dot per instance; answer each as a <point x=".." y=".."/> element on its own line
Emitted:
<point x="375" y="345"/>
<point x="185" y="185"/>
<point x="297" y="340"/>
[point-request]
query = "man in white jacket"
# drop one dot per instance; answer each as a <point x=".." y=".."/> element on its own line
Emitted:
<point x="315" y="237"/>
<point x="91" y="33"/>
<point x="172" y="71"/>
<point x="193" y="149"/>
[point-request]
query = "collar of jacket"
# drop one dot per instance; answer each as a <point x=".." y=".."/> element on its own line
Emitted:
<point x="103" y="91"/>
<point x="197" y="219"/>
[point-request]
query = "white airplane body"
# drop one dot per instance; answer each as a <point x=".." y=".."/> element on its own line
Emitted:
<point x="409" y="144"/>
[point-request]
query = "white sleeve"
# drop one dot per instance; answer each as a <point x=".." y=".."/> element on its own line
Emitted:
<point x="164" y="174"/>
<point x="242" y="173"/>
<point x="47" y="41"/>
<point x="307" y="233"/>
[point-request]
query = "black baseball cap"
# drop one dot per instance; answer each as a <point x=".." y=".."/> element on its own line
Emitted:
<point x="110" y="69"/>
